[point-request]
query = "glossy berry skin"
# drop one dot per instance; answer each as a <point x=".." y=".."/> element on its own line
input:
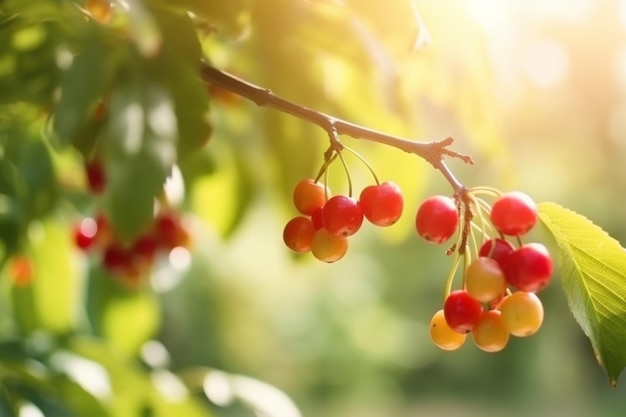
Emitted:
<point x="437" y="219"/>
<point x="342" y="216"/>
<point x="442" y="335"/>
<point x="490" y="333"/>
<point x="484" y="280"/>
<point x="382" y="204"/>
<point x="327" y="247"/>
<point x="497" y="249"/>
<point x="298" y="234"/>
<point x="308" y="196"/>
<point x="318" y="218"/>
<point x="514" y="213"/>
<point x="462" y="311"/>
<point x="529" y="268"/>
<point x="522" y="313"/>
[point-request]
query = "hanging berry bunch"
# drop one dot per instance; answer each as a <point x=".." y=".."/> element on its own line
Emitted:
<point x="326" y="221"/>
<point x="131" y="261"/>
<point x="501" y="274"/>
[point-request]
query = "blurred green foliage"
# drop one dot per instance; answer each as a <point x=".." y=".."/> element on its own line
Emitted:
<point x="343" y="340"/>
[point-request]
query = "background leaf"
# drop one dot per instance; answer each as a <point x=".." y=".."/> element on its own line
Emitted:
<point x="593" y="269"/>
<point x="142" y="150"/>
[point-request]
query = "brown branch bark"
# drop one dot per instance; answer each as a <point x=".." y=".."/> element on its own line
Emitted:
<point x="433" y="152"/>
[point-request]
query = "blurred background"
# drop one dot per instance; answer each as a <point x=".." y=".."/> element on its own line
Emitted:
<point x="534" y="91"/>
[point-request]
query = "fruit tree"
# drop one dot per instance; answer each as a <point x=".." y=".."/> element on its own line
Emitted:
<point x="197" y="196"/>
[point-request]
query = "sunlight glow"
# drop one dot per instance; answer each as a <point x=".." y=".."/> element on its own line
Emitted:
<point x="546" y="62"/>
<point x="169" y="385"/>
<point x="90" y="375"/>
<point x="30" y="410"/>
<point x="617" y="124"/>
<point x="620" y="69"/>
<point x="154" y="354"/>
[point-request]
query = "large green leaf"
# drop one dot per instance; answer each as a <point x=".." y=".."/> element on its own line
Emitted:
<point x="593" y="269"/>
<point x="82" y="83"/>
<point x="141" y="149"/>
<point x="49" y="303"/>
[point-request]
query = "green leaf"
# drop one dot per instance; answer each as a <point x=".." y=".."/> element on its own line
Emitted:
<point x="39" y="179"/>
<point x="82" y="84"/>
<point x="56" y="285"/>
<point x="126" y="318"/>
<point x="142" y="150"/>
<point x="50" y="302"/>
<point x="593" y="270"/>
<point x="176" y="68"/>
<point x="144" y="31"/>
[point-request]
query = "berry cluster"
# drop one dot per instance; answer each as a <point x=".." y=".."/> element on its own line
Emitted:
<point x="129" y="261"/>
<point x="497" y="298"/>
<point x="326" y="222"/>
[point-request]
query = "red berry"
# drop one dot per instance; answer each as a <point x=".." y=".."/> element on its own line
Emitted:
<point x="85" y="233"/>
<point x="298" y="234"/>
<point x="529" y="268"/>
<point x="514" y="213"/>
<point x="497" y="249"/>
<point x="96" y="179"/>
<point x="342" y="216"/>
<point x="145" y="247"/>
<point x="437" y="219"/>
<point x="169" y="231"/>
<point x="318" y="218"/>
<point x="117" y="260"/>
<point x="309" y="195"/>
<point x="462" y="311"/>
<point x="382" y="204"/>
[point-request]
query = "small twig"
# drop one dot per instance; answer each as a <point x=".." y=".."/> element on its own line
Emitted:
<point x="433" y="152"/>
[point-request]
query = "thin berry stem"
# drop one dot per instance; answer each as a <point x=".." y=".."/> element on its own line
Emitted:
<point x="346" y="168"/>
<point x="450" y="277"/>
<point x="364" y="161"/>
<point x="433" y="152"/>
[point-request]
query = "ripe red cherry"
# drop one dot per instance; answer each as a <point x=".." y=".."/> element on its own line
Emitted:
<point x="309" y="195"/>
<point x="96" y="179"/>
<point x="437" y="219"/>
<point x="298" y="234"/>
<point x="497" y="249"/>
<point x="318" y="218"/>
<point x="462" y="311"/>
<point x="342" y="216"/>
<point x="514" y="213"/>
<point x="382" y="204"/>
<point x="529" y="268"/>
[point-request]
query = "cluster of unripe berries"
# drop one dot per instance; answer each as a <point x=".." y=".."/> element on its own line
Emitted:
<point x="497" y="298"/>
<point x="128" y="261"/>
<point x="325" y="222"/>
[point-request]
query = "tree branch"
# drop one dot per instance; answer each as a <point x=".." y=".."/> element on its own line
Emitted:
<point x="433" y="152"/>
